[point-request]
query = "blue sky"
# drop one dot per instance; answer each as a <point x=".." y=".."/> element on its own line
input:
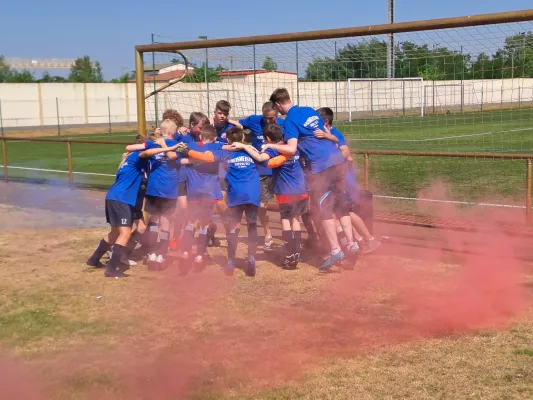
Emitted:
<point x="108" y="30"/>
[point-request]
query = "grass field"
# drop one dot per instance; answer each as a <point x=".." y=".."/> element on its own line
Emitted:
<point x="489" y="180"/>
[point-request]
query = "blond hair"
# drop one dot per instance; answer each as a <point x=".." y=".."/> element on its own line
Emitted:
<point x="168" y="128"/>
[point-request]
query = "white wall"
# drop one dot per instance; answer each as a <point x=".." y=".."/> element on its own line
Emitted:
<point x="34" y="105"/>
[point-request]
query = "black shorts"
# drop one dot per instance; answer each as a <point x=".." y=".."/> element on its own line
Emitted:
<point x="331" y="180"/>
<point x="137" y="214"/>
<point x="267" y="188"/>
<point x="223" y="184"/>
<point x="182" y="189"/>
<point x="234" y="213"/>
<point x="293" y="209"/>
<point x="160" y="205"/>
<point x="118" y="213"/>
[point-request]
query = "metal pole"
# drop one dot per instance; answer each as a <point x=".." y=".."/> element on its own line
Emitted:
<point x="366" y="166"/>
<point x="57" y="113"/>
<point x="1" y="120"/>
<point x="528" y="191"/>
<point x="4" y="159"/>
<point x="255" y="84"/>
<point x="403" y="97"/>
<point x="206" y="76"/>
<point x="297" y="80"/>
<point x="390" y="44"/>
<point x="139" y="79"/>
<point x="69" y="158"/>
<point x="462" y="80"/>
<point x="109" y="112"/>
<point x="155" y="85"/>
<point x="336" y="82"/>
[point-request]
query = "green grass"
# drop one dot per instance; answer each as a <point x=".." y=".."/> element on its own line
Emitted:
<point x="509" y="131"/>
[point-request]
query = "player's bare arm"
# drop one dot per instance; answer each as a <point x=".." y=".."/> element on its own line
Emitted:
<point x="288" y="149"/>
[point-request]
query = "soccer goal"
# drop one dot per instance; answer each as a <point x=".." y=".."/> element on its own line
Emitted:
<point x="385" y="97"/>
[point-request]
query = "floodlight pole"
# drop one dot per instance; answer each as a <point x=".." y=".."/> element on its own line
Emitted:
<point x="205" y="74"/>
<point x="390" y="44"/>
<point x="155" y="84"/>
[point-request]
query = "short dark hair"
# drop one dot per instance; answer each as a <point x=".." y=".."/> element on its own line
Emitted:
<point x="140" y="139"/>
<point x="209" y="132"/>
<point x="280" y="95"/>
<point x="267" y="107"/>
<point x="197" y="117"/>
<point x="235" y="135"/>
<point x="273" y="132"/>
<point x="223" y="106"/>
<point x="174" y="115"/>
<point x="326" y="114"/>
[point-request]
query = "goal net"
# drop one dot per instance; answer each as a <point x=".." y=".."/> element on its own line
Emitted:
<point x="385" y="97"/>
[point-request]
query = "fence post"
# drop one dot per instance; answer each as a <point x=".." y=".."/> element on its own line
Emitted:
<point x="57" y="113"/>
<point x="528" y="191"/>
<point x="109" y="112"/>
<point x="519" y="100"/>
<point x="433" y="101"/>
<point x="255" y="84"/>
<point x="297" y="80"/>
<point x="372" y="98"/>
<point x="1" y="119"/>
<point x="365" y="170"/>
<point x="69" y="158"/>
<point x="403" y="98"/>
<point x="4" y="158"/>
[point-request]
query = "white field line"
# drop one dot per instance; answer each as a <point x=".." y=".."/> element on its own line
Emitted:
<point x="446" y="137"/>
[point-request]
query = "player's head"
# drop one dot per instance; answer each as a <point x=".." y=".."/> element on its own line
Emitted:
<point x="222" y="109"/>
<point x="197" y="121"/>
<point x="326" y="114"/>
<point x="174" y="115"/>
<point x="270" y="115"/>
<point x="154" y="135"/>
<point x="235" y="135"/>
<point x="208" y="134"/>
<point x="168" y="128"/>
<point x="139" y="139"/>
<point x="281" y="100"/>
<point x="272" y="133"/>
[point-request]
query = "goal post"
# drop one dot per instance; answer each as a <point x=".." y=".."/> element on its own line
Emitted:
<point x="385" y="97"/>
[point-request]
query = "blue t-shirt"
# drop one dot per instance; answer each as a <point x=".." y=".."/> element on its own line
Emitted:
<point x="340" y="137"/>
<point x="202" y="178"/>
<point x="256" y="123"/>
<point x="242" y="177"/>
<point x="128" y="180"/>
<point x="188" y="139"/>
<point x="221" y="133"/>
<point x="164" y="173"/>
<point x="288" y="179"/>
<point x="320" y="154"/>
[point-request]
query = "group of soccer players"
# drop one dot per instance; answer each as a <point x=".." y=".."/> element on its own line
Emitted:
<point x="184" y="176"/>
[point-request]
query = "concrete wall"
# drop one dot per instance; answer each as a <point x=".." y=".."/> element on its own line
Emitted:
<point x="47" y="104"/>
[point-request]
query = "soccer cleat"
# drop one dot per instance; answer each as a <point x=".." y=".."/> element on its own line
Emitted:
<point x="214" y="242"/>
<point x="287" y="262"/>
<point x="114" y="273"/>
<point x="331" y="261"/>
<point x="250" y="267"/>
<point x="230" y="267"/>
<point x="371" y="245"/>
<point x="269" y="243"/>
<point x="95" y="264"/>
<point x="353" y="249"/>
<point x="199" y="259"/>
<point x="296" y="258"/>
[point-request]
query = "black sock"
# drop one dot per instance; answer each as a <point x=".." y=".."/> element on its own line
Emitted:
<point x="135" y="239"/>
<point x="164" y="238"/>
<point x="103" y="246"/>
<point x="116" y="257"/>
<point x="297" y="241"/>
<point x="203" y="239"/>
<point x="211" y="230"/>
<point x="188" y="238"/>
<point x="233" y="237"/>
<point x="252" y="239"/>
<point x="288" y="242"/>
<point x="308" y="223"/>
<point x="151" y="236"/>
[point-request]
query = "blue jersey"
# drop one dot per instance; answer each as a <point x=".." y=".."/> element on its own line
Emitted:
<point x="242" y="177"/>
<point x="352" y="193"/>
<point x="164" y="173"/>
<point x="202" y="178"/>
<point x="340" y="137"/>
<point x="256" y="123"/>
<point x="188" y="139"/>
<point x="128" y="180"/>
<point x="221" y="133"/>
<point x="320" y="154"/>
<point x="288" y="179"/>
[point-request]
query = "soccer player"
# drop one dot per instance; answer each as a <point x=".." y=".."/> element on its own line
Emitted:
<point x="352" y="193"/>
<point x="203" y="190"/>
<point x="221" y="120"/>
<point x="255" y="124"/>
<point x="327" y="170"/>
<point x="120" y="203"/>
<point x="243" y="195"/>
<point x="289" y="187"/>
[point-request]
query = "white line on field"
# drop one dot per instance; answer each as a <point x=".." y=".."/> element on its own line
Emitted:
<point x="446" y="137"/>
<point x="58" y="170"/>
<point x="449" y="201"/>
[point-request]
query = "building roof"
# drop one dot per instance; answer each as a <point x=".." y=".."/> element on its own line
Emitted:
<point x="246" y="72"/>
<point x="167" y="76"/>
<point x="156" y="67"/>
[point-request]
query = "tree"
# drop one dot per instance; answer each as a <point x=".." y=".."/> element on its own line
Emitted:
<point x="85" y="71"/>
<point x="47" y="78"/>
<point x="198" y="74"/>
<point x="24" y="76"/>
<point x="124" y="78"/>
<point x="270" y="64"/>
<point x="4" y="70"/>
